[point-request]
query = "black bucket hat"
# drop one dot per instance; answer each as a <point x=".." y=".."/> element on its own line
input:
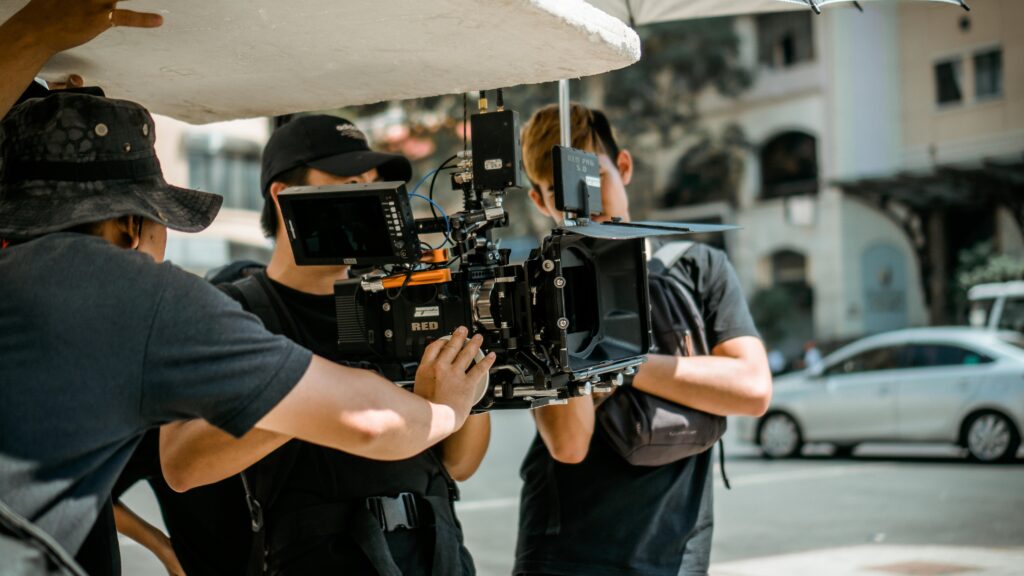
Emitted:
<point x="331" y="144"/>
<point x="70" y="159"/>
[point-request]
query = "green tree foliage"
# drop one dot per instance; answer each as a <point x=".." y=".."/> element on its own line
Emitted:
<point x="980" y="264"/>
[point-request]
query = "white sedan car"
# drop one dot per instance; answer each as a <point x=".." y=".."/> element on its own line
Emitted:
<point x="964" y="386"/>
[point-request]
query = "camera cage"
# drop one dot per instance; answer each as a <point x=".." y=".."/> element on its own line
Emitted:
<point x="573" y="318"/>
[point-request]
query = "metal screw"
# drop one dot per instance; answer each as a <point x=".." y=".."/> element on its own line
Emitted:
<point x="548" y="265"/>
<point x="563" y="323"/>
<point x="388" y="334"/>
<point x="559" y="282"/>
<point x="101" y="129"/>
<point x="387" y="307"/>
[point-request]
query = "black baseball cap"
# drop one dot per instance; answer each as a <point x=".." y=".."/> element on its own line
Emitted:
<point x="327" y="143"/>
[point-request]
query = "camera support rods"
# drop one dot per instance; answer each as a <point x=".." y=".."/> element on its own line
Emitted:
<point x="564" y="126"/>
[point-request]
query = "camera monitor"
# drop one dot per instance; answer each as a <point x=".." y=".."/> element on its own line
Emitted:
<point x="577" y="181"/>
<point x="354" y="224"/>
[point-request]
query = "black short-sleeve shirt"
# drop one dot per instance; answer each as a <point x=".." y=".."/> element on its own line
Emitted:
<point x="99" y="344"/>
<point x="606" y="517"/>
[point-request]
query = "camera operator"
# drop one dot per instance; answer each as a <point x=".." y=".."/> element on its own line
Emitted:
<point x="100" y="341"/>
<point x="315" y="500"/>
<point x="584" y="509"/>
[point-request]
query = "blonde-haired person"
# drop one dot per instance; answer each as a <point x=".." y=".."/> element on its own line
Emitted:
<point x="584" y="509"/>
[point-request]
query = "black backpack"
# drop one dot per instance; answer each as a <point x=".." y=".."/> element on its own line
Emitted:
<point x="647" y="430"/>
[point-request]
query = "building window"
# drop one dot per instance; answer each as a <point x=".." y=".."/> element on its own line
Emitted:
<point x="226" y="166"/>
<point x="988" y="74"/>
<point x="704" y="175"/>
<point x="947" y="82"/>
<point x="785" y="39"/>
<point x="789" y="166"/>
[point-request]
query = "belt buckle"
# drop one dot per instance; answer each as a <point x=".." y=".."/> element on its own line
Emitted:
<point x="395" y="512"/>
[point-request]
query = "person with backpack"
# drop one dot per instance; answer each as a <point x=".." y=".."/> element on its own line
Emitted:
<point x="100" y="340"/>
<point x="602" y="494"/>
<point x="314" y="510"/>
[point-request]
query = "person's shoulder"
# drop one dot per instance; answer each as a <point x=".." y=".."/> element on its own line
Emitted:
<point x="701" y="259"/>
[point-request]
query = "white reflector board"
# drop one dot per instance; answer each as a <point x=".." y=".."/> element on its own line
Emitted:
<point x="224" y="59"/>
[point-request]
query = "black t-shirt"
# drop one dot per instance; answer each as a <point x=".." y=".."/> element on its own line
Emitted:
<point x="210" y="526"/>
<point x="605" y="517"/>
<point x="99" y="344"/>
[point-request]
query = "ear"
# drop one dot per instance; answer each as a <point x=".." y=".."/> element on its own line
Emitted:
<point x="625" y="165"/>
<point x="538" y="201"/>
<point x="275" y="188"/>
<point x="129" y="229"/>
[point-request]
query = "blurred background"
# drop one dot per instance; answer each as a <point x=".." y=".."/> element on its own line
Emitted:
<point x="874" y="161"/>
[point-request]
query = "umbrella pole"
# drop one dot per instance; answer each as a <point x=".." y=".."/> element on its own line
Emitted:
<point x="564" y="125"/>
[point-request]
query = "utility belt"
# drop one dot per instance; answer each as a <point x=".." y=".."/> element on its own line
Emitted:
<point x="366" y="521"/>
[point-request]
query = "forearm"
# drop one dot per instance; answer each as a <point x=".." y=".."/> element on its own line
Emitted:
<point x="567" y="429"/>
<point x="195" y="453"/>
<point x="465" y="450"/>
<point x="149" y="536"/>
<point x="718" y="384"/>
<point x="23" y="57"/>
<point x="359" y="412"/>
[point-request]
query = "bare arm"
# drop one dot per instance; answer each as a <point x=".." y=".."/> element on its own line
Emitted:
<point x="465" y="450"/>
<point x="352" y="410"/>
<point x="371" y="417"/>
<point x="45" y="27"/>
<point x="134" y="527"/>
<point x="194" y="453"/>
<point x="735" y="379"/>
<point x="566" y="429"/>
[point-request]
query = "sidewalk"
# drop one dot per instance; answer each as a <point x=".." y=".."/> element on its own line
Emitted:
<point x="882" y="559"/>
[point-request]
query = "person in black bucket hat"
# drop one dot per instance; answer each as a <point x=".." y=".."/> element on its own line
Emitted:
<point x="99" y="343"/>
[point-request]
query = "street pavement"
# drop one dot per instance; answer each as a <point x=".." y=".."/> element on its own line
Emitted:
<point x="889" y="509"/>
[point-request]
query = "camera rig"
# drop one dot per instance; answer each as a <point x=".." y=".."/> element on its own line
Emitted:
<point x="574" y="317"/>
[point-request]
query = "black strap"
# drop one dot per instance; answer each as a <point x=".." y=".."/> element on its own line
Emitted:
<point x="257" y="295"/>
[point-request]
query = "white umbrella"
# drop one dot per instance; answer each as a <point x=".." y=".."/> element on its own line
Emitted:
<point x="639" y="12"/>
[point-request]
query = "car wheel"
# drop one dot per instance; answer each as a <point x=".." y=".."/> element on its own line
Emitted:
<point x="779" y="436"/>
<point x="991" y="437"/>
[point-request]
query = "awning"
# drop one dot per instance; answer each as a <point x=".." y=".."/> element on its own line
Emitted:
<point x="1000" y="180"/>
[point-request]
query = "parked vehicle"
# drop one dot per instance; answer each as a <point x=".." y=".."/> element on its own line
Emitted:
<point x="997" y="306"/>
<point x="959" y="385"/>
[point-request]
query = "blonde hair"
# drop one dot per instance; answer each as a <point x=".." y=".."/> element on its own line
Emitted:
<point x="541" y="133"/>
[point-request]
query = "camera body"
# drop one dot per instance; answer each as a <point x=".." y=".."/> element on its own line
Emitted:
<point x="573" y="317"/>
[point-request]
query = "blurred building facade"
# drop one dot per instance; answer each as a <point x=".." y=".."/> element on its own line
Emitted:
<point x="223" y="158"/>
<point x="878" y="145"/>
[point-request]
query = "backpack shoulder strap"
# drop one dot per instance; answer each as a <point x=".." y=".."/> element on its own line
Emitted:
<point x="670" y="253"/>
<point x="669" y="256"/>
<point x="257" y="295"/>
